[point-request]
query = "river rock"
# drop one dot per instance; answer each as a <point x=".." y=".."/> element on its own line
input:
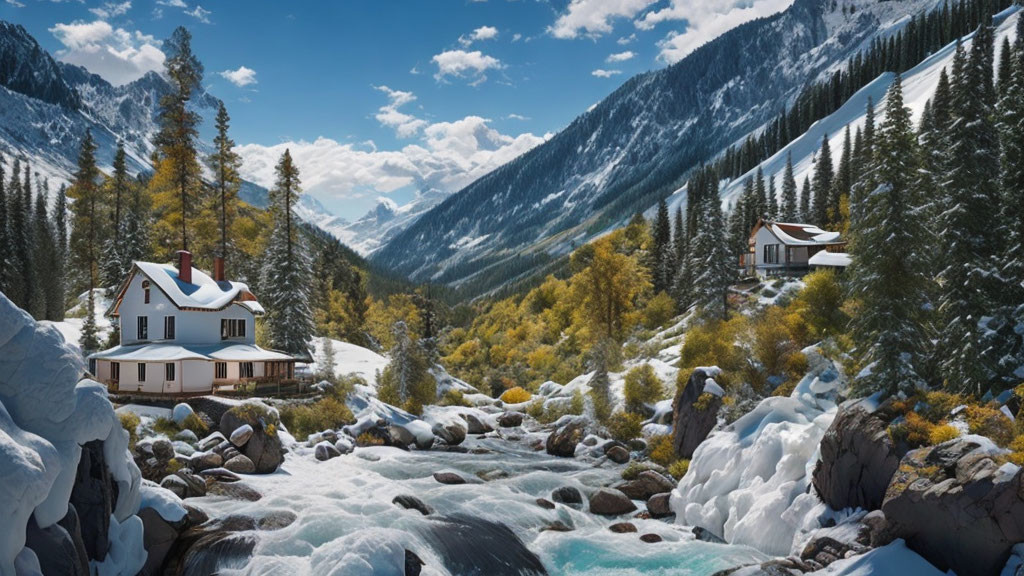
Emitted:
<point x="557" y="526"/>
<point x="344" y="446"/>
<point x="472" y="545"/>
<point x="163" y="449"/>
<point x="206" y="460"/>
<point x="475" y="425"/>
<point x="93" y="498"/>
<point x="240" y="465"/>
<point x="175" y="485"/>
<point x="449" y="478"/>
<point x="195" y="486"/>
<point x="618" y="454"/>
<point x="510" y="419"/>
<point x="705" y="535"/>
<point x="452" y="433"/>
<point x="210" y="442"/>
<point x="325" y="451"/>
<point x="158" y="538"/>
<point x="187" y="436"/>
<point x="180" y="412"/>
<point x="610" y="502"/>
<point x="856" y="463"/>
<point x="650" y="538"/>
<point x="183" y="450"/>
<point x="562" y="442"/>
<point x="241" y="435"/>
<point x="957" y="507"/>
<point x="276" y="520"/>
<point x="220" y="475"/>
<point x="545" y="503"/>
<point x="234" y="490"/>
<point x="658" y="505"/>
<point x="646" y="484"/>
<point x="56" y="549"/>
<point x="413" y="564"/>
<point x="401" y="437"/>
<point x="567" y="495"/>
<point x="694" y="413"/>
<point x="264" y="446"/>
<point x="622" y="527"/>
<point x="412" y="503"/>
<point x="829" y="545"/>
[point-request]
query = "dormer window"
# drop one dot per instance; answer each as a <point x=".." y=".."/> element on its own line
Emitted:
<point x="145" y="290"/>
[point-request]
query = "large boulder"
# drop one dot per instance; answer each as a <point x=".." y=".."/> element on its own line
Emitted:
<point x="562" y="442"/>
<point x="695" y="411"/>
<point x="956" y="506"/>
<point x="476" y="425"/>
<point x="264" y="446"/>
<point x="93" y="497"/>
<point x="159" y="536"/>
<point x="646" y="484"/>
<point x="452" y="433"/>
<point x="56" y="549"/>
<point x="856" y="463"/>
<point x="610" y="502"/>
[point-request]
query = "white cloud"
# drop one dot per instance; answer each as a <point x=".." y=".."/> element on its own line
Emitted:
<point x="15" y="3"/>
<point x="172" y="3"/>
<point x="241" y="77"/>
<point x="111" y="10"/>
<point x="200" y="13"/>
<point x="481" y="33"/>
<point x="462" y="64"/>
<point x="593" y="17"/>
<point x="621" y="56"/>
<point x="449" y="156"/>
<point x="626" y="40"/>
<point x="517" y="37"/>
<point x="605" y="73"/>
<point x="405" y="125"/>
<point x="115" y="54"/>
<point x="704" y="21"/>
<point x="517" y="117"/>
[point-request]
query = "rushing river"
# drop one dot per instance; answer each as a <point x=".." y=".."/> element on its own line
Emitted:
<point x="348" y="526"/>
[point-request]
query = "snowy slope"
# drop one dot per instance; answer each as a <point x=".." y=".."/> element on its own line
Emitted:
<point x="918" y="86"/>
<point x="637" y="143"/>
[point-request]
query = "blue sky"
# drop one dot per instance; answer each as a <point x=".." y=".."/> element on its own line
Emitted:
<point x="380" y="99"/>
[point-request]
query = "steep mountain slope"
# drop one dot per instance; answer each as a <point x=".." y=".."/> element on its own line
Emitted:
<point x="46" y="107"/>
<point x="635" y="146"/>
<point x="383" y="223"/>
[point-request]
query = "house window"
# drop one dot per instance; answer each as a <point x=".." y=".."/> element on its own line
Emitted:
<point x="142" y="372"/>
<point x="145" y="290"/>
<point x="245" y="370"/>
<point x="220" y="370"/>
<point x="143" y="325"/>
<point x="771" y="254"/>
<point x="115" y="371"/>
<point x="232" y="328"/>
<point x="169" y="371"/>
<point x="168" y="327"/>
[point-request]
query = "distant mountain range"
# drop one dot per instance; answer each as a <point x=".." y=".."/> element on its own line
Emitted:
<point x="634" y="147"/>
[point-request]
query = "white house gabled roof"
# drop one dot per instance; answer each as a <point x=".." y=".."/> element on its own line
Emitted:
<point x="203" y="293"/>
<point x="794" y="234"/>
<point x="224" y="351"/>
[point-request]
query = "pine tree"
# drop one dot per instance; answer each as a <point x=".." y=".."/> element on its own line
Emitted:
<point x="772" y="200"/>
<point x="17" y="232"/>
<point x="287" y="269"/>
<point x="43" y="259"/>
<point x="225" y="163"/>
<point x="407" y="382"/>
<point x="663" y="260"/>
<point x="679" y="237"/>
<point x="56" y="293"/>
<point x="788" y="211"/>
<point x="90" y="340"/>
<point x="761" y="195"/>
<point x="889" y="273"/>
<point x="712" y="265"/>
<point x="841" y="185"/>
<point x="805" y="201"/>
<point x="969" y="223"/>
<point x="178" y="166"/>
<point x="85" y="217"/>
<point x="823" y="175"/>
<point x="4" y="237"/>
<point x="325" y="363"/>
<point x="739" y="233"/>
<point x="869" y="130"/>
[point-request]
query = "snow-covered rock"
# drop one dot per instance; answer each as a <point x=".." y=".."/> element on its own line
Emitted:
<point x="46" y="415"/>
<point x="749" y="483"/>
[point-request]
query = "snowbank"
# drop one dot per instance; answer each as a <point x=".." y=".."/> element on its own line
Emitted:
<point x="46" y="414"/>
<point x="749" y="483"/>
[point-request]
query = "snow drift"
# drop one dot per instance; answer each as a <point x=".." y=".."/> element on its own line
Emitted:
<point x="46" y="414"/>
<point x="750" y="483"/>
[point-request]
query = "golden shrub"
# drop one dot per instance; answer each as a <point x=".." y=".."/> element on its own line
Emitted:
<point x="516" y="395"/>
<point x="661" y="450"/>
<point x="624" y="426"/>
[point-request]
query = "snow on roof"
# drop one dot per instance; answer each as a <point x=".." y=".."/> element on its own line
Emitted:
<point x="203" y="293"/>
<point x="835" y="259"/>
<point x="224" y="351"/>
<point x="802" y="234"/>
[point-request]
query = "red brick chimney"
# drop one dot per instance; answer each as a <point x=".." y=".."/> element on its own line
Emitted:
<point x="218" y="268"/>
<point x="185" y="266"/>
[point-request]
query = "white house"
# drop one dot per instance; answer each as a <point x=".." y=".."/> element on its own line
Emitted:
<point x="780" y="247"/>
<point x="183" y="332"/>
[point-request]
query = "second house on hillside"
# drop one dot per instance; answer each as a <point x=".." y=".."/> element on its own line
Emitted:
<point x="183" y="332"/>
<point x="790" y="248"/>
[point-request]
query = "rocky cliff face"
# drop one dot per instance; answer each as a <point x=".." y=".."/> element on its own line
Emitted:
<point x="857" y="461"/>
